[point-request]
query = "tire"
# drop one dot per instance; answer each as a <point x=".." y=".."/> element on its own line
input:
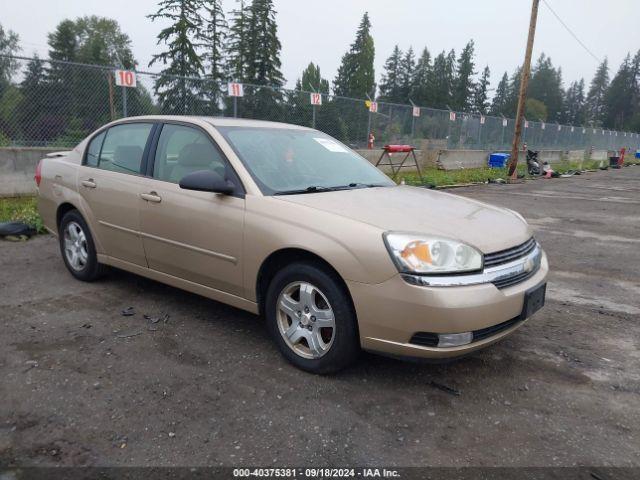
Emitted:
<point x="304" y="336"/>
<point x="77" y="248"/>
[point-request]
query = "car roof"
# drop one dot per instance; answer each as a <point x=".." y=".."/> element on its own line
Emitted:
<point x="217" y="121"/>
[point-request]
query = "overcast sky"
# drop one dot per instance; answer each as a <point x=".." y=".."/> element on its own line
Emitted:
<point x="321" y="31"/>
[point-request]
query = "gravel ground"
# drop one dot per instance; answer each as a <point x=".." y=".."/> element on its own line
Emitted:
<point x="83" y="385"/>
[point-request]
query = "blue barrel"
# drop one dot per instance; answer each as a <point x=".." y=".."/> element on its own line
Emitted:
<point x="498" y="160"/>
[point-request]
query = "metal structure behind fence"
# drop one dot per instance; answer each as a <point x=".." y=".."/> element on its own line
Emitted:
<point x="50" y="103"/>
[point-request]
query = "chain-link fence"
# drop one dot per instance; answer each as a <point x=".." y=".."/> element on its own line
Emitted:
<point x="50" y="103"/>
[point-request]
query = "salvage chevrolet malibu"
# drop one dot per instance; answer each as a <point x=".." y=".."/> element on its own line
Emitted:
<point x="286" y="222"/>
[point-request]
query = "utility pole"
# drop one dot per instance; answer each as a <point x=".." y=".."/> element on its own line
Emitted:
<point x="522" y="97"/>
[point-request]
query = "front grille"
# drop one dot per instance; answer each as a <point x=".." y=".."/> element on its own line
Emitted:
<point x="509" y="281"/>
<point x="506" y="256"/>
<point x="494" y="329"/>
<point x="427" y="339"/>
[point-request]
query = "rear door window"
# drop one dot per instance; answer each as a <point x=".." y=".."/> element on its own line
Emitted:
<point x="123" y="147"/>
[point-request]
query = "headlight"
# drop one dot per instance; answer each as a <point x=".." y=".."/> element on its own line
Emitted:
<point x="426" y="254"/>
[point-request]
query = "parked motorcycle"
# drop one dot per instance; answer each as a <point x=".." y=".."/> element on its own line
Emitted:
<point x="533" y="164"/>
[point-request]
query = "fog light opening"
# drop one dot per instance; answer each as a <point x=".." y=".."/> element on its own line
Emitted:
<point x="454" y="339"/>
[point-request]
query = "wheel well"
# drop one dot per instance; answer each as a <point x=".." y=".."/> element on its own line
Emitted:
<point x="62" y="209"/>
<point x="284" y="257"/>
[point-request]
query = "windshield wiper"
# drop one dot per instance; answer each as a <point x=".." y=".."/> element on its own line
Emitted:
<point x="320" y="188"/>
<point x="365" y="185"/>
<point x="311" y="189"/>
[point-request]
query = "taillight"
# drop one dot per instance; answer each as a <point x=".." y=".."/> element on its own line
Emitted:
<point x="38" y="176"/>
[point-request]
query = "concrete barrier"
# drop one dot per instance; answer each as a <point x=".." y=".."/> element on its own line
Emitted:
<point x="600" y="155"/>
<point x="551" y="156"/>
<point x="459" y="159"/>
<point x="17" y="167"/>
<point x="575" y="155"/>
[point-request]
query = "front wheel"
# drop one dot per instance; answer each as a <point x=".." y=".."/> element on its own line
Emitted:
<point x="311" y="318"/>
<point x="77" y="247"/>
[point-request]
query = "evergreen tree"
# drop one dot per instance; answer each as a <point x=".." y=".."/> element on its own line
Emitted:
<point x="63" y="46"/>
<point x="356" y="76"/>
<point x="33" y="115"/>
<point x="312" y="81"/>
<point x="62" y="78"/>
<point x="421" y="92"/>
<point x="634" y="122"/>
<point x="595" y="98"/>
<point x="391" y="81"/>
<point x="237" y="43"/>
<point x="213" y="38"/>
<point x="442" y="76"/>
<point x="574" y="107"/>
<point x="176" y="90"/>
<point x="263" y="54"/>
<point x="463" y="87"/>
<point x="618" y="104"/>
<point x="263" y="62"/>
<point x="513" y="92"/>
<point x="407" y="68"/>
<point x="481" y="93"/>
<point x="9" y="45"/>
<point x="546" y="85"/>
<point x="499" y="102"/>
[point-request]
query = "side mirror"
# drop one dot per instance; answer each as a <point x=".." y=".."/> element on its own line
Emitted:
<point x="207" y="181"/>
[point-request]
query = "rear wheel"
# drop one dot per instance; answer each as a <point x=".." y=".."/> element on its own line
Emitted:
<point x="77" y="247"/>
<point x="311" y="319"/>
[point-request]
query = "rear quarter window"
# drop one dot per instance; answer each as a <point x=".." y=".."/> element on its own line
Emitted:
<point x="93" y="150"/>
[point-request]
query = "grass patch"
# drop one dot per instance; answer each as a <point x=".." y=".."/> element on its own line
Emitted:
<point x="441" y="178"/>
<point x="21" y="209"/>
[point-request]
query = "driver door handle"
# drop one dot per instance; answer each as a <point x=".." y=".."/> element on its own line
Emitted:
<point x="151" y="197"/>
<point x="89" y="183"/>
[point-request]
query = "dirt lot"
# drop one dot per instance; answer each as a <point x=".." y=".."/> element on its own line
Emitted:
<point x="83" y="385"/>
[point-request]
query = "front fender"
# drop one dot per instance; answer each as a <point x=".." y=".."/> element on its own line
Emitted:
<point x="354" y="249"/>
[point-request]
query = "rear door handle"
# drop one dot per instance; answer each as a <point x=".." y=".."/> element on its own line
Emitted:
<point x="151" y="197"/>
<point x="89" y="183"/>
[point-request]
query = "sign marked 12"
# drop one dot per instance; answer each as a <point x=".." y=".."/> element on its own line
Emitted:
<point x="316" y="98"/>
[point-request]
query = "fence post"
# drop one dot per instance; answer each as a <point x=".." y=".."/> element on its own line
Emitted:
<point x="124" y="101"/>
<point x="112" y="109"/>
<point x="313" y="118"/>
<point x="235" y="107"/>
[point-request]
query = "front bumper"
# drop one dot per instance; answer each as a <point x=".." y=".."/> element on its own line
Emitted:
<point x="390" y="313"/>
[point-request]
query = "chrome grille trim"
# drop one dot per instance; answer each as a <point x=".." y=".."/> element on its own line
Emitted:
<point x="502" y="276"/>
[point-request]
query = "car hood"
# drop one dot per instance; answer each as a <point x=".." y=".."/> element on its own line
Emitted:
<point x="414" y="209"/>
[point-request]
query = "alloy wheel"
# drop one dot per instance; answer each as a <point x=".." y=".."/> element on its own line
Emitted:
<point x="75" y="246"/>
<point x="305" y="320"/>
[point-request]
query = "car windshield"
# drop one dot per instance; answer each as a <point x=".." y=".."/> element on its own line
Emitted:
<point x="288" y="161"/>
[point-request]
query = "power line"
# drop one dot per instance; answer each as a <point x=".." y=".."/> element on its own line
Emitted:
<point x="571" y="32"/>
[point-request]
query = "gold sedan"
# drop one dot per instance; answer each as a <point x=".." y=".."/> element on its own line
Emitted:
<point x="287" y="222"/>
